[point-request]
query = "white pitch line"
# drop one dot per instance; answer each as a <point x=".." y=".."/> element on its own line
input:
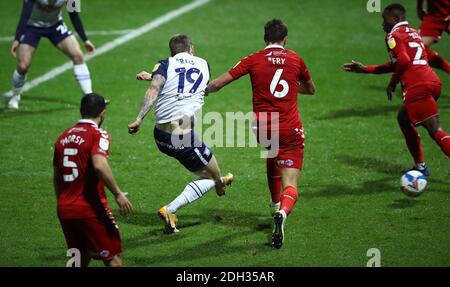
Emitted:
<point x="115" y="43"/>
<point x="90" y="33"/>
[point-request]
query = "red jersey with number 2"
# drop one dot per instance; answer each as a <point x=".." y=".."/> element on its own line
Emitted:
<point x="404" y="39"/>
<point x="275" y="74"/>
<point x="81" y="192"/>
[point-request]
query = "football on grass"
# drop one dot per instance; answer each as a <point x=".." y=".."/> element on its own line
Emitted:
<point x="413" y="183"/>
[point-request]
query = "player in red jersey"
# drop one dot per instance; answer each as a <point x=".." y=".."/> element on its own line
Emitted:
<point x="277" y="76"/>
<point x="435" y="21"/>
<point x="80" y="171"/>
<point x="421" y="86"/>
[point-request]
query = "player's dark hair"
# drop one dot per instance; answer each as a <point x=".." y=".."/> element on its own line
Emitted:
<point x="92" y="105"/>
<point x="275" y="31"/>
<point x="179" y="44"/>
<point x="395" y="7"/>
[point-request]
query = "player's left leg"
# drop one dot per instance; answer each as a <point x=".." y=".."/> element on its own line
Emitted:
<point x="71" y="48"/>
<point x="274" y="181"/>
<point x="413" y="140"/>
<point x="289" y="178"/>
<point x="210" y="177"/>
<point x="198" y="159"/>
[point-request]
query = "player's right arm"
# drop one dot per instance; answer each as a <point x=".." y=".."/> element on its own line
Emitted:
<point x="240" y="69"/>
<point x="356" y="67"/>
<point x="26" y="12"/>
<point x="150" y="96"/>
<point x="104" y="172"/>
<point x="219" y="83"/>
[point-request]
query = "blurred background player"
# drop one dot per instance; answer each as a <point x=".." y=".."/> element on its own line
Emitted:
<point x="43" y="18"/>
<point x="80" y="172"/>
<point x="421" y="86"/>
<point x="177" y="86"/>
<point x="277" y="76"/>
<point x="435" y="21"/>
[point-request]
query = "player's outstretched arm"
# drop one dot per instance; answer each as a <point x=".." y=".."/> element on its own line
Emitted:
<point x="307" y="88"/>
<point x="357" y="67"/>
<point x="150" y="96"/>
<point x="103" y="170"/>
<point x="78" y="25"/>
<point x="218" y="83"/>
<point x="354" y="67"/>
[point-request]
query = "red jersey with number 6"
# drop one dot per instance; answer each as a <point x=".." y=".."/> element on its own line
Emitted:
<point x="408" y="54"/>
<point x="80" y="192"/>
<point x="275" y="74"/>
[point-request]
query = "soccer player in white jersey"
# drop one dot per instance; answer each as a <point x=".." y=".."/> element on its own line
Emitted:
<point x="177" y="86"/>
<point x="43" y="18"/>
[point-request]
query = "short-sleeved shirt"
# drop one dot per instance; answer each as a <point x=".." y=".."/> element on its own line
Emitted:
<point x="275" y="75"/>
<point x="404" y="39"/>
<point x="183" y="92"/>
<point x="46" y="13"/>
<point x="81" y="191"/>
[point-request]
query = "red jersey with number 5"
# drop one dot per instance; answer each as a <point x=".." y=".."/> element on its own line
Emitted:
<point x="81" y="192"/>
<point x="275" y="74"/>
<point x="408" y="54"/>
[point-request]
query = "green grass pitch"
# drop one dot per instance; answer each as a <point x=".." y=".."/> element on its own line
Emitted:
<point x="350" y="199"/>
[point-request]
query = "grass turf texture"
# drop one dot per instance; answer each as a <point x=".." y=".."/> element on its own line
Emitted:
<point x="355" y="153"/>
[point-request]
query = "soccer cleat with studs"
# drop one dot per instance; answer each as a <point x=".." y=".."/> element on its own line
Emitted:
<point x="170" y="220"/>
<point x="278" y="230"/>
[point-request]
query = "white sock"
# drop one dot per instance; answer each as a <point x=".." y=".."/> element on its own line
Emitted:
<point x="18" y="82"/>
<point x="193" y="191"/>
<point x="83" y="77"/>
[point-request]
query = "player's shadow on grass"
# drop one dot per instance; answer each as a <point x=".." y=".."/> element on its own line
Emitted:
<point x="403" y="203"/>
<point x="374" y="164"/>
<point x="359" y="112"/>
<point x="255" y="222"/>
<point x="7" y="113"/>
<point x="235" y="242"/>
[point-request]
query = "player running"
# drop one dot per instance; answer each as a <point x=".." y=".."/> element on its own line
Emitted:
<point x="43" y="18"/>
<point x="80" y="171"/>
<point x="277" y="76"/>
<point x="177" y="86"/>
<point x="421" y="86"/>
<point x="435" y="21"/>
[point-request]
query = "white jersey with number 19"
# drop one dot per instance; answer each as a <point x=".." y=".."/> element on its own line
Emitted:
<point x="183" y="92"/>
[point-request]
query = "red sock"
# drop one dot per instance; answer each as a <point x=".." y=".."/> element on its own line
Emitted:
<point x="274" y="179"/>
<point x="288" y="199"/>
<point x="436" y="61"/>
<point x="443" y="140"/>
<point x="413" y="142"/>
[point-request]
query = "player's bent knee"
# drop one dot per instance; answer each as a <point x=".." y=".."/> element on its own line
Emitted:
<point x="78" y="58"/>
<point x="23" y="67"/>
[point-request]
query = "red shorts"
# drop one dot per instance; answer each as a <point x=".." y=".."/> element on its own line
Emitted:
<point x="433" y="26"/>
<point x="420" y="102"/>
<point x="291" y="148"/>
<point x="93" y="236"/>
